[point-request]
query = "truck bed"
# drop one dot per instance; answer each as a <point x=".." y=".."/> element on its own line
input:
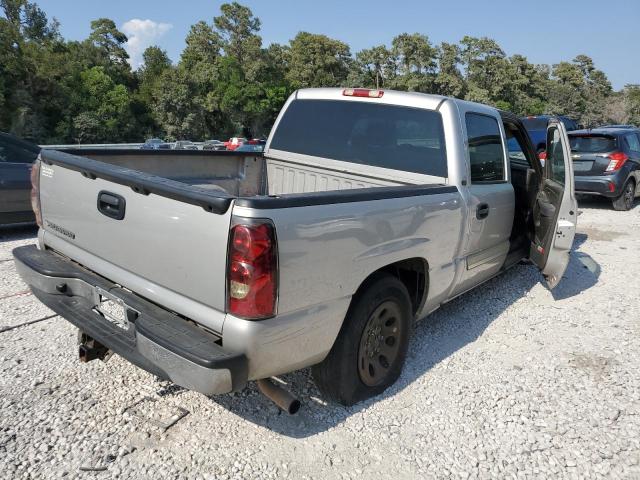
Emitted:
<point x="233" y="173"/>
<point x="243" y="175"/>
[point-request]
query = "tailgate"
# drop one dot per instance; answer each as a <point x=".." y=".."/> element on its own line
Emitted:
<point x="164" y="249"/>
<point x="589" y="153"/>
<point x="588" y="163"/>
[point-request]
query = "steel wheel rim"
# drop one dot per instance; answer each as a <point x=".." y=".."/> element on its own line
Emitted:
<point x="379" y="344"/>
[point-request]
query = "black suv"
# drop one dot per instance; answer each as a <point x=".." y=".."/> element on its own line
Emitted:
<point x="606" y="161"/>
<point x="16" y="159"/>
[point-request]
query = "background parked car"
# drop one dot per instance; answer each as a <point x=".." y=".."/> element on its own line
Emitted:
<point x="216" y="145"/>
<point x="253" y="147"/>
<point x="536" y="125"/>
<point x="152" y="144"/>
<point x="234" y="142"/>
<point x="606" y="162"/>
<point x="156" y="144"/>
<point x="16" y="158"/>
<point x="185" y="145"/>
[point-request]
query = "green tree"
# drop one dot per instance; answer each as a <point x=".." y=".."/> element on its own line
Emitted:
<point x="525" y="86"/>
<point x="178" y="108"/>
<point x="317" y="61"/>
<point x="632" y="104"/>
<point x="107" y="101"/>
<point x="28" y="18"/>
<point x="414" y="53"/>
<point x="449" y="80"/>
<point x="109" y="40"/>
<point x="238" y="29"/>
<point x="24" y="33"/>
<point x="486" y="71"/>
<point x="203" y="46"/>
<point x="155" y="63"/>
<point x="579" y="90"/>
<point x="372" y="68"/>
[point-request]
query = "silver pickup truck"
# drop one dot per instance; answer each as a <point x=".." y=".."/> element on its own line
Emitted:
<point x="368" y="210"/>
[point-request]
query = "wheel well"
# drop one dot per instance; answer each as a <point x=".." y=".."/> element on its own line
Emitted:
<point x="413" y="273"/>
<point x="635" y="185"/>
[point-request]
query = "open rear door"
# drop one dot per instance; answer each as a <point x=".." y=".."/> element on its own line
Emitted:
<point x="555" y="211"/>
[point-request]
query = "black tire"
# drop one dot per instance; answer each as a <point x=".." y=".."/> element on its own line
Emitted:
<point x="625" y="200"/>
<point x="378" y="323"/>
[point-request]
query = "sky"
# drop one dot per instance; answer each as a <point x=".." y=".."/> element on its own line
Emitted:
<point x="545" y="31"/>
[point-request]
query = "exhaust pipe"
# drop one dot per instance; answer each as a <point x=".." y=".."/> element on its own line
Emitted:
<point x="279" y="396"/>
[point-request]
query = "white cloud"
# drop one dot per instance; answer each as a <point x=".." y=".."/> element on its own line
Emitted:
<point x="142" y="34"/>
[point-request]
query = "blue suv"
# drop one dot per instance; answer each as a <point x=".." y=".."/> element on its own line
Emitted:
<point x="536" y="125"/>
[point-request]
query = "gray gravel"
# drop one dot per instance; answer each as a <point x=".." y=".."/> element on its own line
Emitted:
<point x="507" y="381"/>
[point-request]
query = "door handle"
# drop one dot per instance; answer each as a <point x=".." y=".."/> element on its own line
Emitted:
<point x="482" y="211"/>
<point x="111" y="205"/>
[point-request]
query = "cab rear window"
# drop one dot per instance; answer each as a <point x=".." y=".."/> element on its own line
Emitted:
<point x="388" y="136"/>
<point x="592" y="143"/>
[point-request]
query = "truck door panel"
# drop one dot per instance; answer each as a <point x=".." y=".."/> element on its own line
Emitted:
<point x="490" y="200"/>
<point x="555" y="210"/>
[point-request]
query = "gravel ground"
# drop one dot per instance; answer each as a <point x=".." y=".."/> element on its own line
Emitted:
<point x="508" y="381"/>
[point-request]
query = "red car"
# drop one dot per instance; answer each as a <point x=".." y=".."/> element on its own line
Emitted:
<point x="234" y="142"/>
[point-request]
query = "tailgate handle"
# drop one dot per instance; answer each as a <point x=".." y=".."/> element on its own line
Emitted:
<point x="111" y="205"/>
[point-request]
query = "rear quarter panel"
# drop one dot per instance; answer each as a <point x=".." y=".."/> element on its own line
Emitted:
<point x="327" y="251"/>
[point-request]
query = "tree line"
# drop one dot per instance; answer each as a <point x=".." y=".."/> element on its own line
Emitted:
<point x="226" y="81"/>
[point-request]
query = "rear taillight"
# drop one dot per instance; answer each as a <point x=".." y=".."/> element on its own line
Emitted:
<point x="252" y="270"/>
<point x="616" y="161"/>
<point x="35" y="191"/>
<point x="362" y="92"/>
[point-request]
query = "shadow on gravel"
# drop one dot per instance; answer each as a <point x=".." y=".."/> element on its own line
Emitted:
<point x="582" y="273"/>
<point x="437" y="337"/>
<point x="18" y="231"/>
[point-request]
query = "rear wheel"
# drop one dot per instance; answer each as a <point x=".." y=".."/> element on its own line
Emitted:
<point x="625" y="200"/>
<point x="370" y="350"/>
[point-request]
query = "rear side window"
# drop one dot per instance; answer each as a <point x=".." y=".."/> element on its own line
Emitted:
<point x="516" y="150"/>
<point x="633" y="142"/>
<point x="592" y="143"/>
<point x="400" y="138"/>
<point x="486" y="155"/>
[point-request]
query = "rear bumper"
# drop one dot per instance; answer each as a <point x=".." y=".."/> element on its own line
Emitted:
<point x="607" y="186"/>
<point x="156" y="340"/>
